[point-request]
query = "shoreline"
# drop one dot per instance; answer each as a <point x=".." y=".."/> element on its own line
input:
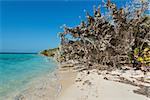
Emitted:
<point x="31" y="86"/>
<point x="47" y="87"/>
<point x="86" y="85"/>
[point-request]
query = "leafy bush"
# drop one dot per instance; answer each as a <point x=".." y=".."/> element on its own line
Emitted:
<point x="143" y="58"/>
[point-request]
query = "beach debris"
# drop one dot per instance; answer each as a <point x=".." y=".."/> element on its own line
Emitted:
<point x="67" y="65"/>
<point x="78" y="80"/>
<point x="87" y="82"/>
<point x="105" y="78"/>
<point x="88" y="72"/>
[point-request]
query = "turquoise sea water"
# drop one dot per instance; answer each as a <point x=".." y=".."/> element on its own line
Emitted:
<point x="17" y="70"/>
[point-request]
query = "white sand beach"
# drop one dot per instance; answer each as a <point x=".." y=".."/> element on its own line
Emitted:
<point x="94" y="87"/>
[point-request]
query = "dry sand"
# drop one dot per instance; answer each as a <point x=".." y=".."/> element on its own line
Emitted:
<point x="94" y="87"/>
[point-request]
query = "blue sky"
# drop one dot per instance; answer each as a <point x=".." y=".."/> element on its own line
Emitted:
<point x="31" y="26"/>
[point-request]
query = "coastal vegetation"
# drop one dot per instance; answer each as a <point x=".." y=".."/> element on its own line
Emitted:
<point x="120" y="37"/>
<point x="49" y="52"/>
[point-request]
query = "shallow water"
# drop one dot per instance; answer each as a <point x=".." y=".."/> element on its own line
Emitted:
<point x="17" y="70"/>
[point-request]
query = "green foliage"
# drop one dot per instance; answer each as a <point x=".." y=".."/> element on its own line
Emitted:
<point x="49" y="52"/>
<point x="142" y="57"/>
<point x="136" y="51"/>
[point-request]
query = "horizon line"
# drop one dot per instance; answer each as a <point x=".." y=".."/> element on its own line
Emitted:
<point x="18" y="52"/>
